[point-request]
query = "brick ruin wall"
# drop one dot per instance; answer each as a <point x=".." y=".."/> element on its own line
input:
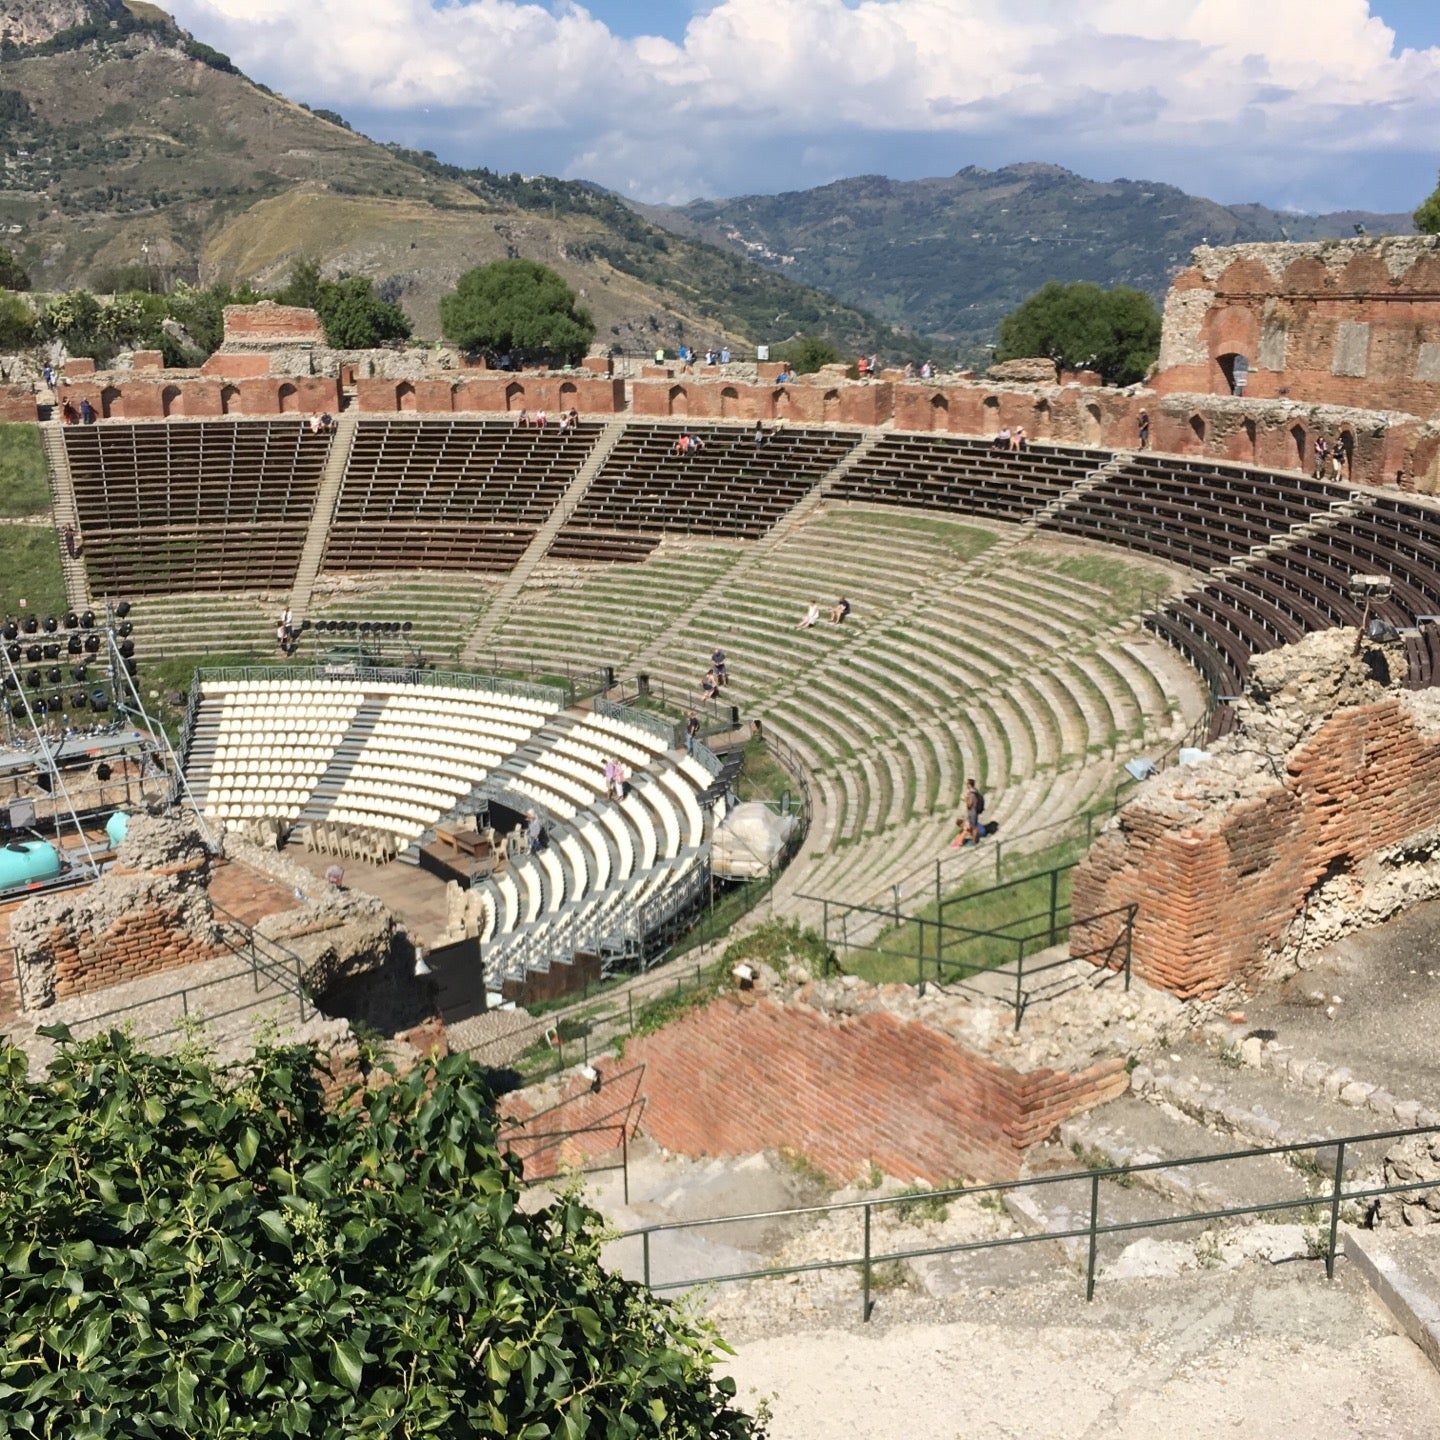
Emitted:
<point x="746" y="1073"/>
<point x="150" y="912"/>
<point x="1336" y="322"/>
<point x="1221" y="857"/>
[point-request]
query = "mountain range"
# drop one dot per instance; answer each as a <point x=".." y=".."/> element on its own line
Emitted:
<point x="127" y="141"/>
<point x="952" y="256"/>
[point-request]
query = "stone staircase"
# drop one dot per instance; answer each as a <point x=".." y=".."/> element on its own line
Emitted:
<point x="326" y="496"/>
<point x="600" y="452"/>
<point x="62" y="489"/>
<point x="328" y="787"/>
<point x="756" y="554"/>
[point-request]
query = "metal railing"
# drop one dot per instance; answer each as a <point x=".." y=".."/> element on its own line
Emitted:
<point x="595" y="1019"/>
<point x="656" y="725"/>
<point x="1310" y="1153"/>
<point x="947" y="953"/>
<point x="279" y="963"/>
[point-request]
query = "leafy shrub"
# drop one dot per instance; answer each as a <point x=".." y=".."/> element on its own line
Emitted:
<point x="192" y="1252"/>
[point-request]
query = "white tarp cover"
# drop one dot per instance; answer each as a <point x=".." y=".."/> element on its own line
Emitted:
<point x="747" y="841"/>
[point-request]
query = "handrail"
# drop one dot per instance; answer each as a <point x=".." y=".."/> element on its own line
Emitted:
<point x="1091" y="1232"/>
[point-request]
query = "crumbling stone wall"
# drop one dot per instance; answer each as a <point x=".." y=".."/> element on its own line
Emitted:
<point x="1342" y="322"/>
<point x="149" y="912"/>
<point x="1333" y="761"/>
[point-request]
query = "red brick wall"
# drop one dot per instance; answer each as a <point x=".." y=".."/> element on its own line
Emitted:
<point x="1216" y="882"/>
<point x="154" y="395"/>
<point x="489" y="392"/>
<point x="268" y="323"/>
<point x="528" y="1129"/>
<point x="745" y="1074"/>
<point x="17" y="402"/>
<point x="820" y="403"/>
<point x="1311" y="299"/>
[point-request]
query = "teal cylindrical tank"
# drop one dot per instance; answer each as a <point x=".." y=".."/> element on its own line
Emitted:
<point x="28" y="862"/>
<point x="117" y="827"/>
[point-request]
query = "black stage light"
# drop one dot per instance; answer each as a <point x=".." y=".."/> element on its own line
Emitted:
<point x="92" y="644"/>
<point x="305" y="624"/>
<point x="125" y="628"/>
<point x="364" y="627"/>
<point x="87" y="620"/>
<point x="123" y="609"/>
<point x="44" y="779"/>
<point x="11" y="629"/>
<point x="10" y="682"/>
<point x="34" y="652"/>
<point x="52" y="652"/>
<point x="406" y="627"/>
<point x="17" y="708"/>
<point x="103" y="771"/>
<point x="57" y="704"/>
<point x="71" y="619"/>
<point x="53" y="674"/>
<point x="128" y="661"/>
<point x="127" y="648"/>
<point x="77" y="672"/>
<point x="13" y="652"/>
<point x="74" y="646"/>
<point x="99" y="700"/>
<point x="77" y="702"/>
<point x="31" y="625"/>
<point x="33" y="679"/>
<point x="50" y="624"/>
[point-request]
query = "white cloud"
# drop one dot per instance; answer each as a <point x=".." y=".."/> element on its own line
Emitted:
<point x="767" y="93"/>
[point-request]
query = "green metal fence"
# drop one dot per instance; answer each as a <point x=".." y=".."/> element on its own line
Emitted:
<point x="1313" y="1154"/>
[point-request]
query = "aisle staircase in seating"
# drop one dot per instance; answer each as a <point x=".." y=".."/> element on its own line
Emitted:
<point x="62" y="488"/>
<point x="756" y="553"/>
<point x="326" y="497"/>
<point x="328" y="787"/>
<point x="605" y="442"/>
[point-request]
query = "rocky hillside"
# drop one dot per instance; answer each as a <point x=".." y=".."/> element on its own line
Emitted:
<point x="128" y="142"/>
<point x="952" y="256"/>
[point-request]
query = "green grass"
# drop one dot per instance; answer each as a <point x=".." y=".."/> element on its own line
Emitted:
<point x="1129" y="585"/>
<point x="24" y="477"/>
<point x="1006" y="916"/>
<point x="30" y="567"/>
<point x="762" y="776"/>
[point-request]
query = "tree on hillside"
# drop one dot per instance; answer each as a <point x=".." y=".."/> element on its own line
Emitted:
<point x="1084" y="327"/>
<point x="807" y="353"/>
<point x="17" y="324"/>
<point x="1427" y="217"/>
<point x="517" y="308"/>
<point x="198" y="1252"/>
<point x="12" y="273"/>
<point x="354" y="316"/>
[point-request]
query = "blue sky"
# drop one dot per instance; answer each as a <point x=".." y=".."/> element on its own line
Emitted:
<point x="1300" y="104"/>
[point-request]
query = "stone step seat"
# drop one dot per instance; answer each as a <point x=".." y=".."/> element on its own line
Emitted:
<point x="1017" y="613"/>
<point x="1084" y="685"/>
<point x="1256" y="1108"/>
<point x="1135" y="661"/>
<point x="1058" y="733"/>
<point x="1108" y="693"/>
<point x="1130" y="1131"/>
<point x="1012" y="640"/>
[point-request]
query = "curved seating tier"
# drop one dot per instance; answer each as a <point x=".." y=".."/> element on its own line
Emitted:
<point x="200" y="506"/>
<point x="449" y="494"/>
<point x="732" y="488"/>
<point x="969" y="477"/>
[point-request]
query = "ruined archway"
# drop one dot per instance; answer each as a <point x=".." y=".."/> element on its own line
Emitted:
<point x="1091" y="423"/>
<point x="831" y="403"/>
<point x="405" y="396"/>
<point x="678" y="401"/>
<point x="1298" y="439"/>
<point x="170" y="402"/>
<point x="1235" y="370"/>
<point x="289" y="399"/>
<point x="112" y="406"/>
<point x="514" y="391"/>
<point x="230" y="401"/>
<point x="992" y="415"/>
<point x="1197" y="428"/>
<point x="939" y="412"/>
<point x="730" y="402"/>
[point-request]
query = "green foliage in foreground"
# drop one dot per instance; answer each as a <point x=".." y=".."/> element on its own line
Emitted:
<point x="1084" y="327"/>
<point x="188" y="1252"/>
